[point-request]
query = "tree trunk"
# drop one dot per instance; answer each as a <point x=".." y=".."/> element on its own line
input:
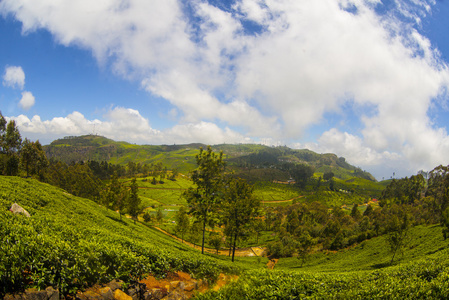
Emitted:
<point x="204" y="231"/>
<point x="233" y="248"/>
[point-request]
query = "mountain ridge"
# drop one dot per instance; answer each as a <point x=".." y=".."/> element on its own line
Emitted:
<point x="241" y="157"/>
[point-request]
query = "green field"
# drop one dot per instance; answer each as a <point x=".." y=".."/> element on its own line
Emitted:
<point x="73" y="243"/>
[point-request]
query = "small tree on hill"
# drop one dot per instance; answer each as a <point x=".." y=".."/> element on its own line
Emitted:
<point x="182" y="222"/>
<point x="302" y="173"/>
<point x="355" y="213"/>
<point x="398" y="226"/>
<point x="215" y="241"/>
<point x="159" y="215"/>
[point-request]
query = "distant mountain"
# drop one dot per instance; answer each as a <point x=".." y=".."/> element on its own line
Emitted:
<point x="251" y="161"/>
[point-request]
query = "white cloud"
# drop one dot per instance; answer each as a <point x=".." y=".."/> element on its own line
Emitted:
<point x="27" y="100"/>
<point x="14" y="77"/>
<point x="307" y="58"/>
<point x="125" y="124"/>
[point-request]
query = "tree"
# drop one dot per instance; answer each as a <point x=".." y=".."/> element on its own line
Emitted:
<point x="355" y="212"/>
<point x="328" y="175"/>
<point x="11" y="140"/>
<point x="398" y="226"/>
<point x="159" y="215"/>
<point x="10" y="144"/>
<point x="182" y="222"/>
<point x="305" y="244"/>
<point x="239" y="208"/>
<point x="302" y="173"/>
<point x="134" y="200"/>
<point x="445" y="223"/>
<point x="32" y="157"/>
<point x="369" y="209"/>
<point x="195" y="232"/>
<point x="203" y="199"/>
<point x="147" y="217"/>
<point x="215" y="240"/>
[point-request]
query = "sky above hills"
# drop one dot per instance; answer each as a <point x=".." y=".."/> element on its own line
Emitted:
<point x="364" y="79"/>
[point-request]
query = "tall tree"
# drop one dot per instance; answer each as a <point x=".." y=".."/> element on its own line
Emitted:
<point x="203" y="199"/>
<point x="134" y="200"/>
<point x="12" y="140"/>
<point x="32" y="157"/>
<point x="10" y="144"/>
<point x="239" y="209"/>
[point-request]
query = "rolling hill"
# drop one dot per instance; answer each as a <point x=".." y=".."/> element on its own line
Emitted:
<point x="250" y="161"/>
<point x="72" y="243"/>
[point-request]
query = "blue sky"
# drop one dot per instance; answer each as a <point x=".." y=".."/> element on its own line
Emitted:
<point x="364" y="79"/>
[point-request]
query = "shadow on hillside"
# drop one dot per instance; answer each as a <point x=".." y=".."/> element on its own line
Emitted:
<point x="117" y="220"/>
<point x="435" y="251"/>
<point x="381" y="265"/>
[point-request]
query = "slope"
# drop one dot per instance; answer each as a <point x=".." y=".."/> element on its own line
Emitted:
<point x="72" y="243"/>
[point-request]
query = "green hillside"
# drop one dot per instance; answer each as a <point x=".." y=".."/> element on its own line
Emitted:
<point x="361" y="272"/>
<point x="73" y="243"/>
<point x="249" y="161"/>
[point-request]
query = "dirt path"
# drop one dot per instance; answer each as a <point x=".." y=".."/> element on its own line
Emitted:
<point x="251" y="251"/>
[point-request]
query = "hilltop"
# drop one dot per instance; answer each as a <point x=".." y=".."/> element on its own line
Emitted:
<point x="250" y="161"/>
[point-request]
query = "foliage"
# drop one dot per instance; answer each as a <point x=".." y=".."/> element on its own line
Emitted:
<point x="238" y="209"/>
<point x="134" y="203"/>
<point x="204" y="197"/>
<point x="302" y="173"/>
<point x="182" y="222"/>
<point x="71" y="243"/>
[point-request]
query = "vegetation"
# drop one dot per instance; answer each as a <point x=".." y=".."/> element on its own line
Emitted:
<point x="337" y="232"/>
<point x="72" y="243"/>
<point x="204" y="198"/>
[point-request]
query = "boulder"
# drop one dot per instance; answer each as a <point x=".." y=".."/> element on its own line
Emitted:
<point x="120" y="295"/>
<point x="17" y="209"/>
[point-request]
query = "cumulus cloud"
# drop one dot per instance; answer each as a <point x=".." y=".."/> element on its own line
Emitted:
<point x="27" y="100"/>
<point x="14" y="77"/>
<point x="125" y="124"/>
<point x="299" y="61"/>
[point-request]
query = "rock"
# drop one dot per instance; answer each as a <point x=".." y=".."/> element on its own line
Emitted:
<point x="33" y="294"/>
<point x="52" y="294"/>
<point x="91" y="295"/>
<point x="106" y="293"/>
<point x="175" y="295"/>
<point x="115" y="284"/>
<point x="174" y="285"/>
<point x="120" y="295"/>
<point x="158" y="293"/>
<point x="17" y="209"/>
<point x="190" y="286"/>
<point x="14" y="297"/>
